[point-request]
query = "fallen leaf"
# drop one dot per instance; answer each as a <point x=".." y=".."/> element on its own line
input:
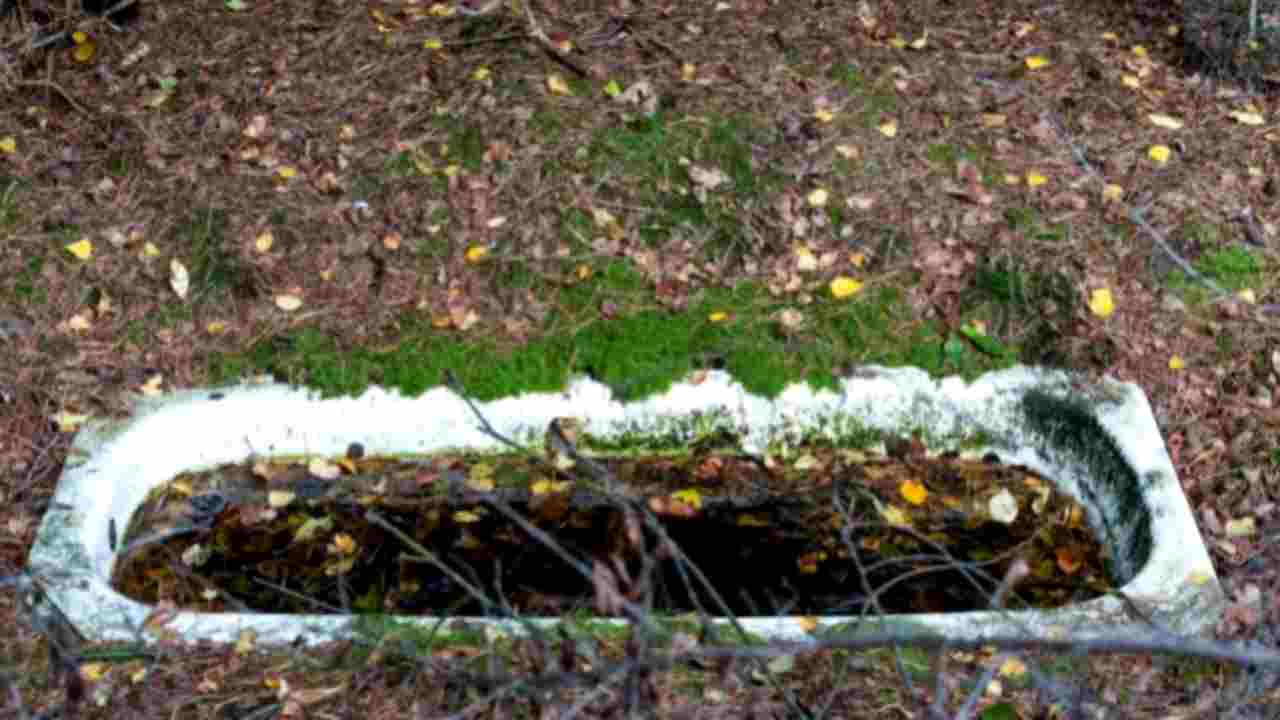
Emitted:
<point x="179" y="279"/>
<point x="1159" y="153"/>
<point x="1167" y="122"/>
<point x="1101" y="303"/>
<point x="82" y="249"/>
<point x="843" y="287"/>
<point x="558" y="86"/>
<point x="288" y="303"/>
<point x="1035" y="62"/>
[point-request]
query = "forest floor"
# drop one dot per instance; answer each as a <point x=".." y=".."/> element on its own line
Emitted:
<point x="346" y="194"/>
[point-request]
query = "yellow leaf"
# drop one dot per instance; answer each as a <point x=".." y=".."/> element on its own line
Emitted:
<point x="913" y="492"/>
<point x="1131" y="81"/>
<point x="1159" y="153"/>
<point x="843" y="287"/>
<point x="612" y="88"/>
<point x="897" y="43"/>
<point x="215" y="327"/>
<point x="1168" y="122"/>
<point x="544" y="486"/>
<point x="557" y="85"/>
<point x="807" y="623"/>
<point x="1112" y="192"/>
<point x="824" y="115"/>
<point x="689" y="496"/>
<point x="1101" y="303"/>
<point x="1035" y="179"/>
<point x="818" y="198"/>
<point x="68" y="422"/>
<point x="749" y="520"/>
<point x="287" y="172"/>
<point x="480" y="478"/>
<point x="476" y="253"/>
<point x="688" y="72"/>
<point x="1013" y="667"/>
<point x="465" y="517"/>
<point x="857" y="258"/>
<point x="1035" y="62"/>
<point x="894" y="515"/>
<point x="718" y="316"/>
<point x="1110" y="37"/>
<point x="481" y="74"/>
<point x="82" y="249"/>
<point x="85" y="51"/>
<point x="921" y="42"/>
<point x="150" y="250"/>
<point x="1199" y="577"/>
<point x="889" y="128"/>
<point x="1140" y="51"/>
<point x="8" y="145"/>
<point x="432" y="44"/>
<point x="1176" y="362"/>
<point x="288" y="303"/>
<point x="1248" y="295"/>
<point x="263" y="242"/>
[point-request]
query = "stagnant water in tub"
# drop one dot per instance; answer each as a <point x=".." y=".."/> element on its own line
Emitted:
<point x="822" y="531"/>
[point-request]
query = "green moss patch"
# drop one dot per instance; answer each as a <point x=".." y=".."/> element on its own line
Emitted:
<point x="636" y="354"/>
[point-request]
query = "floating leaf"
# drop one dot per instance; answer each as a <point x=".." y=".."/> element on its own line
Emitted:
<point x="67" y="421"/>
<point x="894" y="515"/>
<point x="843" y="287"/>
<point x="82" y="249"/>
<point x="480" y="478"/>
<point x="323" y="469"/>
<point x="1069" y="561"/>
<point x="1003" y="507"/>
<point x="913" y="492"/>
<point x="1101" y="303"/>
<point x="689" y="496"/>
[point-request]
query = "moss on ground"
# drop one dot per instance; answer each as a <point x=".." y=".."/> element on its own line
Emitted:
<point x="636" y="354"/>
